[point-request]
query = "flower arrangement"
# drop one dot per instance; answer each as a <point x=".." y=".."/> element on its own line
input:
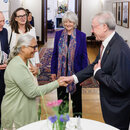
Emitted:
<point x="59" y="121"/>
<point x="62" y="8"/>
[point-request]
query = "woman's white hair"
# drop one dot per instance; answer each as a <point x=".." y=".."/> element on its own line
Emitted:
<point x="69" y="15"/>
<point x="24" y="40"/>
<point x="106" y="17"/>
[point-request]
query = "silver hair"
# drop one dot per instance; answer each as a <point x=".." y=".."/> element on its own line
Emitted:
<point x="69" y="15"/>
<point x="106" y="17"/>
<point x="24" y="40"/>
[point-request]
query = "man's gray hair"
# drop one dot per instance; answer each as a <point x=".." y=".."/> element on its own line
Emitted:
<point x="69" y="15"/>
<point x="24" y="40"/>
<point x="106" y="17"/>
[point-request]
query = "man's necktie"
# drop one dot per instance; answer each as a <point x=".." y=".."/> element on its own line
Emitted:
<point x="101" y="50"/>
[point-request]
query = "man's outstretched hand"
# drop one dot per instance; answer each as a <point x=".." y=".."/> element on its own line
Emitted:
<point x="61" y="82"/>
<point x="67" y="79"/>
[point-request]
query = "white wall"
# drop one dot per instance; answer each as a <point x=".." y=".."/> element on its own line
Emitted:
<point x="13" y="5"/>
<point x="4" y="7"/>
<point x="124" y="32"/>
<point x="71" y="5"/>
<point x="89" y="8"/>
<point x="52" y="8"/>
<point x="35" y="7"/>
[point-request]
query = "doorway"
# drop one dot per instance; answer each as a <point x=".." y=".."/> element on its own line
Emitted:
<point x="45" y="14"/>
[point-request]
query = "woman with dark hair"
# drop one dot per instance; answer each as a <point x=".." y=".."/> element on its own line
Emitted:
<point x="19" y="25"/>
<point x="16" y="21"/>
<point x="30" y="17"/>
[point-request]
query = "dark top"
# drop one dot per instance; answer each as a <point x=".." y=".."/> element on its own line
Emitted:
<point x="69" y="36"/>
<point x="32" y="21"/>
<point x="68" y="42"/>
<point x="5" y="48"/>
<point x="4" y="40"/>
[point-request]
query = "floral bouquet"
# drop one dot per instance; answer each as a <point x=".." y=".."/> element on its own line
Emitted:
<point x="59" y="121"/>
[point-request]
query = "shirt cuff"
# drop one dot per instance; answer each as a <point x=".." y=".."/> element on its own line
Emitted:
<point x="75" y="79"/>
<point x="96" y="70"/>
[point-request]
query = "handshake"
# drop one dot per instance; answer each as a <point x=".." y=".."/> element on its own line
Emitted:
<point x="64" y="81"/>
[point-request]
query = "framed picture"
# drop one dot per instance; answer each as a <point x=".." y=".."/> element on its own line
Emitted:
<point x="114" y="9"/>
<point x="119" y="13"/>
<point x="125" y="14"/>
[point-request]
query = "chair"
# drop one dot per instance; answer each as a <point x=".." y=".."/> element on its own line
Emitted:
<point x="92" y="37"/>
<point x="92" y="40"/>
<point x="50" y="25"/>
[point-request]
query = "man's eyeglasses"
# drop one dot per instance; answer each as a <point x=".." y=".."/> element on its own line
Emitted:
<point x="34" y="47"/>
<point x="21" y="16"/>
<point x="93" y="27"/>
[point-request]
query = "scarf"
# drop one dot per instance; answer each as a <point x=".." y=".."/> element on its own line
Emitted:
<point x="65" y="50"/>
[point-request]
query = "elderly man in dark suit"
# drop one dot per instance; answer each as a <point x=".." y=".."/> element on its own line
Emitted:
<point x="111" y="69"/>
<point x="3" y="47"/>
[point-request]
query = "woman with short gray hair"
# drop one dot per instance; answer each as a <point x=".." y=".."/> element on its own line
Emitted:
<point x="19" y="102"/>
<point x="71" y="16"/>
<point x="69" y="56"/>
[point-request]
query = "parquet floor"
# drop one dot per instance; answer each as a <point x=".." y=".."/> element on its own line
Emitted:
<point x="90" y="96"/>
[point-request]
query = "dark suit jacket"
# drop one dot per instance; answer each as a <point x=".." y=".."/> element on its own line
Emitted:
<point x="5" y="48"/>
<point x="114" y="80"/>
<point x="80" y="58"/>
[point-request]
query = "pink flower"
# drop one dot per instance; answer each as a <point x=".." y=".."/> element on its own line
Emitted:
<point x="54" y="103"/>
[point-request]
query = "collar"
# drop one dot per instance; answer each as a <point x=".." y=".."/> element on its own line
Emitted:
<point x="107" y="40"/>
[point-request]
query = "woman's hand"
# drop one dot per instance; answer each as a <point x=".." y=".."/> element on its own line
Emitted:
<point x="34" y="69"/>
<point x="62" y="83"/>
<point x="53" y="77"/>
<point x="3" y="66"/>
<point x="38" y="65"/>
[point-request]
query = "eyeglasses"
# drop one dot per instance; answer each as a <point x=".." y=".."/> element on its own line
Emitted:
<point x="21" y="16"/>
<point x="95" y="26"/>
<point x="34" y="47"/>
